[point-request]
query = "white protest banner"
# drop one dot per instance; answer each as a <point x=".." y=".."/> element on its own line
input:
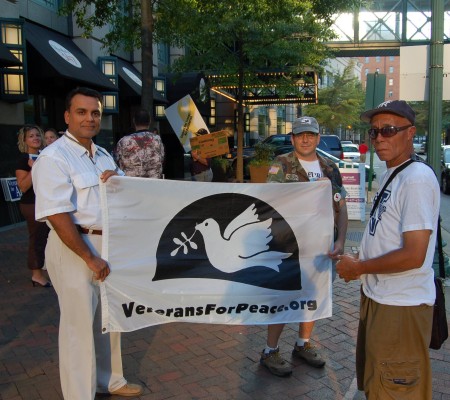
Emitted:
<point x="226" y="253"/>
<point x="185" y="120"/>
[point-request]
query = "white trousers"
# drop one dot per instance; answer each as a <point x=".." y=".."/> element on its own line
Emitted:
<point x="89" y="361"/>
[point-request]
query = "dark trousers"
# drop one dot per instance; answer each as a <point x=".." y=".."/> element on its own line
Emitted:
<point x="37" y="237"/>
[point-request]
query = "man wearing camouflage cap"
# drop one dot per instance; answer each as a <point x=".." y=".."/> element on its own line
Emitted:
<point x="305" y="165"/>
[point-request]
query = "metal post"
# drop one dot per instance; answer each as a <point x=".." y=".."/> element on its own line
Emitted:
<point x="435" y="86"/>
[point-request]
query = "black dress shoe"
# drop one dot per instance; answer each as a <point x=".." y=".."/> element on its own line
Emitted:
<point x="38" y="284"/>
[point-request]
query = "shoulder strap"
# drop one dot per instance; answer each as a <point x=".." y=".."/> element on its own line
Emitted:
<point x="393" y="175"/>
<point x="440" y="251"/>
<point x="439" y="234"/>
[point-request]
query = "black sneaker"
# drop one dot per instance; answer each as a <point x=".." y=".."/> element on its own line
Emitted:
<point x="275" y="364"/>
<point x="310" y="354"/>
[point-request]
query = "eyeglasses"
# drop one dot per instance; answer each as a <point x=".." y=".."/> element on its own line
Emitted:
<point x="307" y="135"/>
<point x="386" y="131"/>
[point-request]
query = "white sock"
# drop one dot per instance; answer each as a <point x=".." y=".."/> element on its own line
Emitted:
<point x="301" y="342"/>
<point x="268" y="349"/>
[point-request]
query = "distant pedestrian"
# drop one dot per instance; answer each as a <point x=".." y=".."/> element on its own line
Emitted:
<point x="67" y="178"/>
<point x="30" y="143"/>
<point x="363" y="149"/>
<point x="201" y="166"/>
<point x="395" y="265"/>
<point x="141" y="154"/>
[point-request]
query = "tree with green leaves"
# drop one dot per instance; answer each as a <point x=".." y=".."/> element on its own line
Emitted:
<point x="341" y="103"/>
<point x="130" y="26"/>
<point x="422" y="113"/>
<point x="241" y="40"/>
<point x="237" y="39"/>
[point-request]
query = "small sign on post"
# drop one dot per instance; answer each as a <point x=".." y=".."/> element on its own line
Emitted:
<point x="354" y="181"/>
<point x="11" y="190"/>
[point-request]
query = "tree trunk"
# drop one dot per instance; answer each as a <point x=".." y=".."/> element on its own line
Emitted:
<point x="147" y="56"/>
<point x="240" y="124"/>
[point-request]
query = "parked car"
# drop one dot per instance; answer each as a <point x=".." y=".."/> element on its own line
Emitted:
<point x="346" y="142"/>
<point x="351" y="152"/>
<point x="278" y="140"/>
<point x="445" y="170"/>
<point x="337" y="161"/>
<point x="419" y="147"/>
<point x="332" y="145"/>
<point x="329" y="143"/>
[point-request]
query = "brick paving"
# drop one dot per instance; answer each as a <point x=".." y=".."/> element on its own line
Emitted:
<point x="182" y="360"/>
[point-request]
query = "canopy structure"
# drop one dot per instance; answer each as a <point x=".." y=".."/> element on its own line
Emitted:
<point x="57" y="61"/>
<point x="268" y="88"/>
<point x="6" y="58"/>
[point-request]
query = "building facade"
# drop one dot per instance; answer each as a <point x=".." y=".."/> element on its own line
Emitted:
<point x="53" y="58"/>
<point x="387" y="65"/>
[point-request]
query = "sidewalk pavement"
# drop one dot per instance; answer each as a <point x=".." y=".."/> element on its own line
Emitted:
<point x="184" y="361"/>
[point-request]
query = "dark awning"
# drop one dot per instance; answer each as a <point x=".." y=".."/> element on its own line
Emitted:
<point x="130" y="82"/>
<point x="6" y="58"/>
<point x="52" y="57"/>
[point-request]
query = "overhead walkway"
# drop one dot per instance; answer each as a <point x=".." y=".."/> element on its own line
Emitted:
<point x="384" y="25"/>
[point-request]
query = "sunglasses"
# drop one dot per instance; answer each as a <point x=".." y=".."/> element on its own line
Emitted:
<point x="386" y="131"/>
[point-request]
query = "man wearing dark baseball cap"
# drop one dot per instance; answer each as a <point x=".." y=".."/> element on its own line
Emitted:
<point x="395" y="264"/>
<point x="396" y="107"/>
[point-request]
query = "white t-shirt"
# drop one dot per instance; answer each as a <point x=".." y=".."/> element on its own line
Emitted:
<point x="411" y="202"/>
<point x="312" y="169"/>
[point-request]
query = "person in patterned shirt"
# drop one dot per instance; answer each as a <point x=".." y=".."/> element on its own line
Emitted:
<point x="141" y="154"/>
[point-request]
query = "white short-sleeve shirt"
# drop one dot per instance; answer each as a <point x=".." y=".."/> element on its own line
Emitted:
<point x="411" y="202"/>
<point x="66" y="180"/>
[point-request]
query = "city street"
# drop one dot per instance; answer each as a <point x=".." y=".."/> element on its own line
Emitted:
<point x="445" y="212"/>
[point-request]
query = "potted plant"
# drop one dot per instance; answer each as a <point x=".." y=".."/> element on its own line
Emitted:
<point x="259" y="164"/>
<point x="220" y="166"/>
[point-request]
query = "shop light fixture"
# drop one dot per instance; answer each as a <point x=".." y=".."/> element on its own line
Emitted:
<point x="212" y="118"/>
<point x="13" y="82"/>
<point x="247" y="122"/>
<point x="159" y="111"/>
<point x="160" y="86"/>
<point x="110" y="103"/>
<point x="108" y="66"/>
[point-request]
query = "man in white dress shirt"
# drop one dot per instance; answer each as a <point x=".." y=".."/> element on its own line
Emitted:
<point x="66" y="179"/>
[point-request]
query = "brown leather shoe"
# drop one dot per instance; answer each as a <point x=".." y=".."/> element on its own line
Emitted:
<point x="128" y="390"/>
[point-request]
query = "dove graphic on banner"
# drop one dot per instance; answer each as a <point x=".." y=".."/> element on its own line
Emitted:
<point x="244" y="243"/>
<point x="232" y="237"/>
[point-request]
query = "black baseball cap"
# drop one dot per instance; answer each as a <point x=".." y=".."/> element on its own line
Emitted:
<point x="397" y="107"/>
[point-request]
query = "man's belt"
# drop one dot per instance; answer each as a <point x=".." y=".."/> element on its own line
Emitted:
<point x="88" y="231"/>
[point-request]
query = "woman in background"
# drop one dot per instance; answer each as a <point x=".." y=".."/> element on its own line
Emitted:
<point x="50" y="136"/>
<point x="30" y="142"/>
